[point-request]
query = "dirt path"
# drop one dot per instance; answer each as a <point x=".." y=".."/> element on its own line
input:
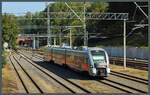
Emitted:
<point x="131" y="71"/>
<point x="9" y="84"/>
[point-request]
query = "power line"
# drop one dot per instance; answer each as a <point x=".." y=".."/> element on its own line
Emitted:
<point x="88" y="15"/>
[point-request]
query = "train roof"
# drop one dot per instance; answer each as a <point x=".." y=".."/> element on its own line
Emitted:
<point x="96" y="48"/>
<point x="79" y="50"/>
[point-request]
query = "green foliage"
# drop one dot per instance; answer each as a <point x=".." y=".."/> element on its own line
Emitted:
<point x="41" y="48"/>
<point x="98" y="7"/>
<point x="3" y="61"/>
<point x="112" y="30"/>
<point x="10" y="30"/>
<point x="90" y="7"/>
<point x="4" y="55"/>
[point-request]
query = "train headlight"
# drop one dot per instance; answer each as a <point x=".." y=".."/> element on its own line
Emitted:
<point x="94" y="70"/>
<point x="91" y="66"/>
<point x="108" y="70"/>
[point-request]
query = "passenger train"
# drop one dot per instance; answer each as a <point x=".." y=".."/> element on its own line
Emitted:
<point x="94" y="61"/>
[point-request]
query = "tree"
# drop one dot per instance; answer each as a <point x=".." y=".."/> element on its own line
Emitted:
<point x="108" y="31"/>
<point x="10" y="30"/>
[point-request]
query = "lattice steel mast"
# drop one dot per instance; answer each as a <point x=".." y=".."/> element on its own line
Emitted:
<point x="48" y="25"/>
<point x="84" y="25"/>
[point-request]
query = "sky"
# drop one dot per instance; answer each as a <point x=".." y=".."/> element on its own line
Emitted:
<point x="20" y="8"/>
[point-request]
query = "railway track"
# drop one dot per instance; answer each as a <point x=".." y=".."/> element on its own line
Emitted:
<point x="137" y="64"/>
<point x="122" y="75"/>
<point x="35" y="55"/>
<point x="130" y="77"/>
<point x="127" y="76"/>
<point x="72" y="87"/>
<point x="123" y="87"/>
<point x="132" y="63"/>
<point x="118" y="85"/>
<point x="31" y="86"/>
<point x="20" y="79"/>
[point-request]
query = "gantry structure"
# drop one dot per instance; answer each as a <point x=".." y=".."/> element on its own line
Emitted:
<point x="85" y="16"/>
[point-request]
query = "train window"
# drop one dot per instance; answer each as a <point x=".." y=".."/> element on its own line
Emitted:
<point x="76" y="60"/>
<point x="98" y="56"/>
<point x="87" y="59"/>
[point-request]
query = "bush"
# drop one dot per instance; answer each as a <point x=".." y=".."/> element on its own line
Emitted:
<point x="3" y="61"/>
<point x="4" y="55"/>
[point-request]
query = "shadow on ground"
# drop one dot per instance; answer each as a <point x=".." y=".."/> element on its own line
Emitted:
<point x="66" y="72"/>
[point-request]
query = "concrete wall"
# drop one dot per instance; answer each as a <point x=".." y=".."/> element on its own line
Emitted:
<point x="133" y="52"/>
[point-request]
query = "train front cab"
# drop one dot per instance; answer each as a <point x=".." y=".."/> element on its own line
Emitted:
<point x="99" y="63"/>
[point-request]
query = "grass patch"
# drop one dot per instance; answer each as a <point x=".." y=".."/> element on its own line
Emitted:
<point x="3" y="61"/>
<point x="4" y="55"/>
<point x="9" y="84"/>
<point x="41" y="48"/>
<point x="131" y="71"/>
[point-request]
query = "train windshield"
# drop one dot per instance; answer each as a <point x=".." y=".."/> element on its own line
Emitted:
<point x="98" y="56"/>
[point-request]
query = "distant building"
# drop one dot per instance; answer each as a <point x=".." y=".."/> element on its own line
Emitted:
<point x="23" y="41"/>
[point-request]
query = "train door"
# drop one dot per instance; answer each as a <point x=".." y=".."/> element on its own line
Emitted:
<point x="51" y="54"/>
<point x="45" y="55"/>
<point x="80" y="60"/>
<point x="54" y="55"/>
<point x="87" y="61"/>
<point x="65" y="56"/>
<point x="60" y="57"/>
<point x="84" y="64"/>
<point x="68" y="58"/>
<point x="72" y="60"/>
<point x="77" y="61"/>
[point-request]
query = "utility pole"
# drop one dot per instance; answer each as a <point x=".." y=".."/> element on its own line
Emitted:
<point x="124" y="43"/>
<point x="87" y="37"/>
<point x="54" y="41"/>
<point x="84" y="25"/>
<point x="70" y="39"/>
<point x="60" y="43"/>
<point x="48" y="26"/>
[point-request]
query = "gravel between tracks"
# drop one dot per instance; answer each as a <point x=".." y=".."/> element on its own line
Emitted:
<point x="115" y="78"/>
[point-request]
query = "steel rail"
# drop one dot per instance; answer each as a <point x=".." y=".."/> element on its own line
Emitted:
<point x="57" y="75"/>
<point x="19" y="76"/>
<point x="29" y="76"/>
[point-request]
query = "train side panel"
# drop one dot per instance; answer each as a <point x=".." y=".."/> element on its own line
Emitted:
<point x="86" y="64"/>
<point x="80" y="61"/>
<point x="69" y="59"/>
<point x="59" y="56"/>
<point x="77" y="60"/>
<point x="47" y="55"/>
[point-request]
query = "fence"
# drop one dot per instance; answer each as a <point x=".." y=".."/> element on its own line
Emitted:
<point x="133" y="52"/>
